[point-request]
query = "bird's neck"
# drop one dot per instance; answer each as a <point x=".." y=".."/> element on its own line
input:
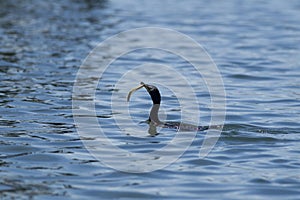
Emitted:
<point x="154" y="114"/>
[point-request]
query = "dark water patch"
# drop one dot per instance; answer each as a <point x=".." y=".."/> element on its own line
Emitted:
<point x="202" y="162"/>
<point x="257" y="129"/>
<point x="272" y="191"/>
<point x="260" y="181"/>
<point x="19" y="188"/>
<point x="251" y="77"/>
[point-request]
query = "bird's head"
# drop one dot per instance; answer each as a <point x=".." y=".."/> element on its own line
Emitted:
<point x="151" y="89"/>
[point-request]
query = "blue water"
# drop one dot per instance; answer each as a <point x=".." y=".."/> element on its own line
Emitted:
<point x="255" y="45"/>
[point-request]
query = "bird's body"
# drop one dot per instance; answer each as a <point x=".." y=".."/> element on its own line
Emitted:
<point x="153" y="116"/>
<point x="184" y="126"/>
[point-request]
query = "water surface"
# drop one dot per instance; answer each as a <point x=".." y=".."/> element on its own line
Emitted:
<point x="256" y="47"/>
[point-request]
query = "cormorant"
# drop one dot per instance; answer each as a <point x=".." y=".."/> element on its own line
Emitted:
<point x="153" y="116"/>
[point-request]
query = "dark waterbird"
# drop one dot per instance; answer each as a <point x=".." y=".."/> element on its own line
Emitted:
<point x="153" y="116"/>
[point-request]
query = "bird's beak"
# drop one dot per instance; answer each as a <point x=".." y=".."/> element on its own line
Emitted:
<point x="135" y="89"/>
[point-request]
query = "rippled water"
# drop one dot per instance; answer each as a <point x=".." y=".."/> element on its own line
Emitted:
<point x="256" y="47"/>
